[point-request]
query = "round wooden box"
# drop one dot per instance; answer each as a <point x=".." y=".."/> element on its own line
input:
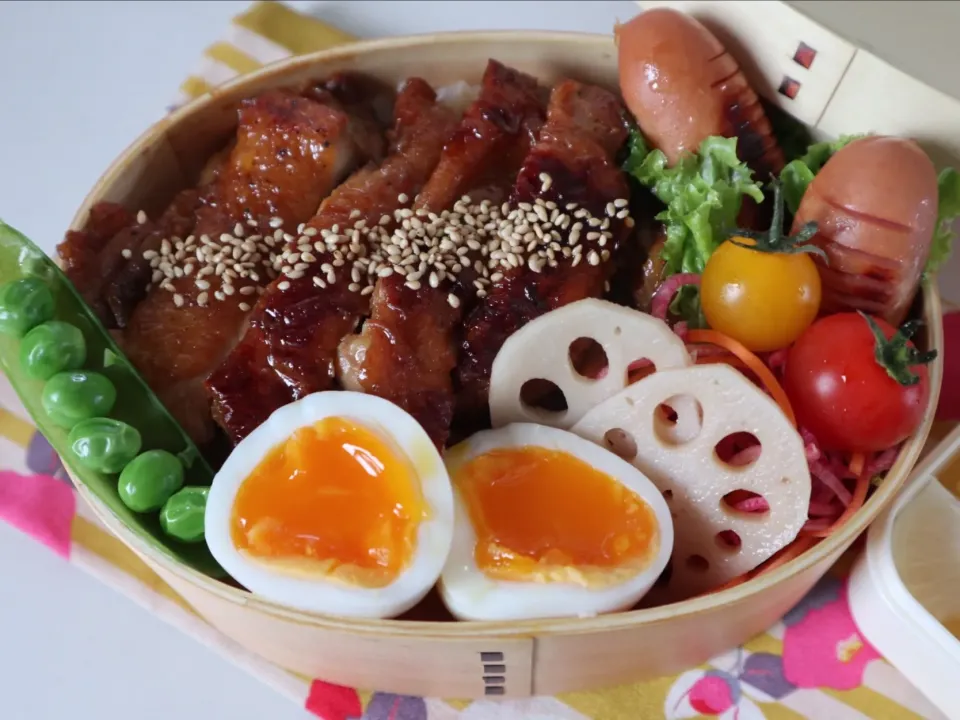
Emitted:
<point x="461" y="659"/>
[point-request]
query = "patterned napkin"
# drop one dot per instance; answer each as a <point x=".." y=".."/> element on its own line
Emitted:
<point x="814" y="664"/>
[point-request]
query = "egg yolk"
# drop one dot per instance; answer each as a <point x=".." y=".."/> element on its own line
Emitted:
<point x="334" y="499"/>
<point x="545" y="515"/>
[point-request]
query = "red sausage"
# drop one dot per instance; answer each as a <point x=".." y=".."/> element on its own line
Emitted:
<point x="683" y="86"/>
<point x="875" y="202"/>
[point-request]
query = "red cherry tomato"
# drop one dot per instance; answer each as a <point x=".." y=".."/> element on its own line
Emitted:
<point x="850" y="398"/>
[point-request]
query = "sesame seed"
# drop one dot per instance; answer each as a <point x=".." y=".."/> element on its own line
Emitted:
<point x="283" y="285"/>
<point x="141" y="218"/>
<point x="453" y="300"/>
<point x="150" y="254"/>
<point x="623" y="214"/>
<point x="353" y="287"/>
<point x="202" y="299"/>
<point x="318" y="281"/>
<point x="244" y="307"/>
<point x="276" y="222"/>
<point x="546" y="180"/>
<point x="178" y="299"/>
<point x="126" y="253"/>
<point x="629" y="222"/>
<point x="593" y="258"/>
<point x="413" y="284"/>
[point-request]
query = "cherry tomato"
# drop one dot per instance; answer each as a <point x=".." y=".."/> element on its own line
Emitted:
<point x="853" y="390"/>
<point x="763" y="299"/>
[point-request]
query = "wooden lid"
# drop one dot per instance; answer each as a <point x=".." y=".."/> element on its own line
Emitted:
<point x="851" y="67"/>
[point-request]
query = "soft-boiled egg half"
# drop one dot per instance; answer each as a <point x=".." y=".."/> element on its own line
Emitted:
<point x="339" y="503"/>
<point x="549" y="525"/>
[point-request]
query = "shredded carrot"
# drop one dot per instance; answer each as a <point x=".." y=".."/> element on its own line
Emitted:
<point x="857" y="463"/>
<point x="859" y="496"/>
<point x="755" y="364"/>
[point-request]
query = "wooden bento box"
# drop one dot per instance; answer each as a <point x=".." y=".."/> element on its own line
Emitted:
<point x="844" y="90"/>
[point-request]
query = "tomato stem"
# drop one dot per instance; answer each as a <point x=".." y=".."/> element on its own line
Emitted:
<point x="774" y="240"/>
<point x="895" y="355"/>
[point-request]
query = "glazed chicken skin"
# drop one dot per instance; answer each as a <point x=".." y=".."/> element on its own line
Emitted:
<point x="289" y="349"/>
<point x="290" y="153"/>
<point x="571" y="166"/>
<point x="407" y="349"/>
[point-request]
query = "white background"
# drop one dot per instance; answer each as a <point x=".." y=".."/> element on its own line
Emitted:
<point x="78" y="82"/>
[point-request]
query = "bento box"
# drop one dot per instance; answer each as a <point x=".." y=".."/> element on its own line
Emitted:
<point x="803" y="69"/>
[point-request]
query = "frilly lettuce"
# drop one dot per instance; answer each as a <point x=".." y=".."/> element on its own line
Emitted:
<point x="948" y="210"/>
<point x="703" y="193"/>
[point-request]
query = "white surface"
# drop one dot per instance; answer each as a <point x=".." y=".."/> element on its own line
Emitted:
<point x="80" y="81"/>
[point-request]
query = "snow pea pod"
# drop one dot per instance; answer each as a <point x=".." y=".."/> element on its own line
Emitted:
<point x="104" y="444"/>
<point x="24" y="304"/>
<point x="135" y="403"/>
<point x="150" y="479"/>
<point x="52" y="347"/>
<point x="182" y="515"/>
<point x="70" y="397"/>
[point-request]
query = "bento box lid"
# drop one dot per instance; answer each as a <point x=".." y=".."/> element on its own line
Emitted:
<point x="855" y="67"/>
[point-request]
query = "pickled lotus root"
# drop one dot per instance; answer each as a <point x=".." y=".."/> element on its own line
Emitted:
<point x="558" y="367"/>
<point x="732" y="469"/>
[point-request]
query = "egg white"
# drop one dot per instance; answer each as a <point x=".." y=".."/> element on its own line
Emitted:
<point x="470" y="594"/>
<point x="316" y="593"/>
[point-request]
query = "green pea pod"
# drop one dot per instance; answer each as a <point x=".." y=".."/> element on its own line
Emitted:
<point x="104" y="444"/>
<point x="136" y="405"/>
<point x="149" y="480"/>
<point x="70" y="397"/>
<point x="24" y="303"/>
<point x="182" y="515"/>
<point x="50" y="348"/>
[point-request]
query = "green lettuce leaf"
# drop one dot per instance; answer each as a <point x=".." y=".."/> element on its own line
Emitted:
<point x="702" y="193"/>
<point x="948" y="210"/>
<point x="799" y="173"/>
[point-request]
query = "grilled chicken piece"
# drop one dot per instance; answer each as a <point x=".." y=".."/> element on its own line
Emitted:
<point x="485" y="153"/>
<point x="576" y="150"/>
<point x="407" y="349"/>
<point x="290" y="153"/>
<point x="290" y="347"/>
<point x="85" y="255"/>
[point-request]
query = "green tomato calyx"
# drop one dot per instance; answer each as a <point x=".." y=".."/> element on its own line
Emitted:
<point x="775" y="240"/>
<point x="895" y="355"/>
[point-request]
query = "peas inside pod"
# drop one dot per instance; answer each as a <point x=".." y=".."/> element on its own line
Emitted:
<point x="182" y="515"/>
<point x="70" y="397"/>
<point x="104" y="444"/>
<point x="149" y="480"/>
<point x="52" y="347"/>
<point x="24" y="304"/>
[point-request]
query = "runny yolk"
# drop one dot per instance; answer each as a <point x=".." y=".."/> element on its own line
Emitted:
<point x="333" y="499"/>
<point x="546" y="515"/>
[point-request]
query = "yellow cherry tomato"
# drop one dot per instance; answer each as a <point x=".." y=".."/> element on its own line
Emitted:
<point x="763" y="299"/>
